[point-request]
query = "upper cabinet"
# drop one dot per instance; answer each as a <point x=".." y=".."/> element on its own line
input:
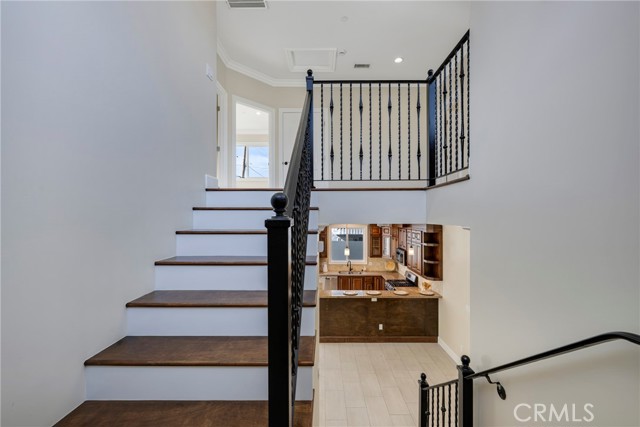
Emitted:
<point x="323" y="238"/>
<point x="375" y="241"/>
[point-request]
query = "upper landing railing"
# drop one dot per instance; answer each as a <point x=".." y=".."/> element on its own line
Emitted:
<point x="396" y="130"/>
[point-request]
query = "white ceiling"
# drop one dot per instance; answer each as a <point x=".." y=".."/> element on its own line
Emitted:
<point x="375" y="32"/>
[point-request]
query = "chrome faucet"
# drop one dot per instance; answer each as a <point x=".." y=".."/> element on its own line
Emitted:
<point x="349" y="264"/>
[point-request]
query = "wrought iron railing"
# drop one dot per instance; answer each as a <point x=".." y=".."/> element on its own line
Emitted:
<point x="286" y="256"/>
<point x="449" y="142"/>
<point x="451" y="403"/>
<point x="396" y="130"/>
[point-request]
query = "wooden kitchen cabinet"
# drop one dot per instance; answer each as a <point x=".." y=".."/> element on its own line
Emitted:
<point x="360" y="283"/>
<point x="402" y="238"/>
<point x="414" y="243"/>
<point x="375" y="241"/>
<point x="346" y="319"/>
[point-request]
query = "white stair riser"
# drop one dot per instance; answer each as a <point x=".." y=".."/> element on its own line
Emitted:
<point x="220" y="199"/>
<point x="239" y="220"/>
<point x="214" y="321"/>
<point x="186" y="383"/>
<point x="231" y="244"/>
<point x="222" y="277"/>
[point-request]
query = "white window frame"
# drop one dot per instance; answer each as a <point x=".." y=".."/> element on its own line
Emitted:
<point x="365" y="244"/>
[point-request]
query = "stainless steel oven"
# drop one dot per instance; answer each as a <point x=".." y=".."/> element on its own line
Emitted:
<point x="401" y="256"/>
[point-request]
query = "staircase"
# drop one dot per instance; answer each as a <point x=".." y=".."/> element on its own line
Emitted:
<point x="195" y="353"/>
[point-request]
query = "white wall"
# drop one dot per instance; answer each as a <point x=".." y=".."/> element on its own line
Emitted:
<point x="108" y="132"/>
<point x="553" y="203"/>
<point x="454" y="311"/>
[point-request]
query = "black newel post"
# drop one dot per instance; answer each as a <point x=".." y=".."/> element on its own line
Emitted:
<point x="309" y="80"/>
<point x="465" y="392"/>
<point x="423" y="409"/>
<point x="279" y="314"/>
<point x="431" y="129"/>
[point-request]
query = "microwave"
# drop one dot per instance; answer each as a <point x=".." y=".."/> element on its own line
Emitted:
<point x="401" y="256"/>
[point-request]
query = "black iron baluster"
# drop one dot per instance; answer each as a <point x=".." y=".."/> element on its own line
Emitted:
<point x="437" y="413"/>
<point x="462" y="135"/>
<point x="449" y="414"/>
<point x="409" y="131"/>
<point x="455" y="74"/>
<point x="379" y="131"/>
<point x="389" y="110"/>
<point x="444" y="114"/>
<point x="450" y="146"/>
<point x="322" y="132"/>
<point x="399" y="138"/>
<point x="331" y="114"/>
<point x="340" y="131"/>
<point x="418" y="114"/>
<point x="433" y="394"/>
<point x="456" y="398"/>
<point x="370" y="138"/>
<point x="468" y="96"/>
<point x="361" y="153"/>
<point x="351" y="131"/>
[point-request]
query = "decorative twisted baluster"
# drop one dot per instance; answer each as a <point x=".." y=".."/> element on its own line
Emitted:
<point x="341" y="131"/>
<point x="322" y="132"/>
<point x="370" y="137"/>
<point x="361" y="155"/>
<point x="443" y="160"/>
<point x="408" y="132"/>
<point x="450" y="146"/>
<point x="379" y="131"/>
<point x="462" y="129"/>
<point x="399" y="138"/>
<point x="418" y="107"/>
<point x="389" y="155"/>
<point x="351" y="131"/>
<point x="331" y="114"/>
<point x="468" y="96"/>
<point x="455" y="103"/>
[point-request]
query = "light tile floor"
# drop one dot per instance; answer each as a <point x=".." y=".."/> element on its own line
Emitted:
<point x="376" y="384"/>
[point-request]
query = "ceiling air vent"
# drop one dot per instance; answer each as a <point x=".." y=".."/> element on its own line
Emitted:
<point x="247" y="4"/>
<point x="361" y="65"/>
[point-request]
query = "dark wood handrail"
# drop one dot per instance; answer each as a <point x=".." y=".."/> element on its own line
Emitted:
<point x="578" y="345"/>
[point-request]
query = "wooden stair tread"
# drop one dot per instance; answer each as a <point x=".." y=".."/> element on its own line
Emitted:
<point x="178" y="413"/>
<point x="222" y="260"/>
<point x="239" y="208"/>
<point x="230" y="232"/>
<point x="211" y="299"/>
<point x="194" y="351"/>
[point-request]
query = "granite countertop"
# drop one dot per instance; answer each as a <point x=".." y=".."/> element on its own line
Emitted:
<point x="413" y="293"/>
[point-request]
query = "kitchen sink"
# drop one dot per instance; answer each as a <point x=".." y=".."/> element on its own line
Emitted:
<point x="350" y="272"/>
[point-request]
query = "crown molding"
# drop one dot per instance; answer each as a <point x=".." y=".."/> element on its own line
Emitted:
<point x="254" y="74"/>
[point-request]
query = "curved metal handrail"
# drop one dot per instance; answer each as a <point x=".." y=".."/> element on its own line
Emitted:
<point x="578" y="345"/>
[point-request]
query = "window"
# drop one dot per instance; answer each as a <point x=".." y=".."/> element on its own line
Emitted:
<point x="357" y="241"/>
<point x="252" y="161"/>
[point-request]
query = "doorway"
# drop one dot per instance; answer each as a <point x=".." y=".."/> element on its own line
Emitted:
<point x="252" y="164"/>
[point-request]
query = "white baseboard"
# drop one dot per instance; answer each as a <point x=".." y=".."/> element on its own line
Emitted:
<point x="452" y="354"/>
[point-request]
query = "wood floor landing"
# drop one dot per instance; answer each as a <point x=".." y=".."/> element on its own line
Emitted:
<point x="145" y="413"/>
<point x="223" y="260"/>
<point x="194" y="351"/>
<point x="211" y="299"/>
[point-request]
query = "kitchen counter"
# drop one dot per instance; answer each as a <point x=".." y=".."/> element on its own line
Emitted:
<point x="413" y="293"/>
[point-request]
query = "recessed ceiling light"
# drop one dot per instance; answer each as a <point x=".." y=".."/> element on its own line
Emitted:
<point x="344" y="19"/>
<point x="398" y="60"/>
<point x="258" y="113"/>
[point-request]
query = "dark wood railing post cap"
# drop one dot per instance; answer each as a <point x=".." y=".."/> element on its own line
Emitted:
<point x="309" y="79"/>
<point x="430" y="73"/>
<point x="465" y="369"/>
<point x="423" y="381"/>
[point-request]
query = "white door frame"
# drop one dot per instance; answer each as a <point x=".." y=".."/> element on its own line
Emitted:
<point x="281" y="159"/>
<point x="222" y="148"/>
<point x="272" y="143"/>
